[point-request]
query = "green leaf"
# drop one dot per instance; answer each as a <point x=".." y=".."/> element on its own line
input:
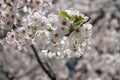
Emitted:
<point x="6" y="7"/>
<point x="50" y="29"/>
<point x="64" y="14"/>
<point x="73" y="17"/>
<point x="31" y="1"/>
<point x="33" y="30"/>
<point x="78" y="20"/>
<point x="71" y="28"/>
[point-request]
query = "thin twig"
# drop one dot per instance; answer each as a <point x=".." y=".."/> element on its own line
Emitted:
<point x="79" y="25"/>
<point x="51" y="76"/>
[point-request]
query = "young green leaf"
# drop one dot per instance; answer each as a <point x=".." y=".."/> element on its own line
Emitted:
<point x="78" y="20"/>
<point x="31" y="1"/>
<point x="64" y="14"/>
<point x="71" y="28"/>
<point x="50" y="29"/>
<point x="6" y="7"/>
<point x="73" y="17"/>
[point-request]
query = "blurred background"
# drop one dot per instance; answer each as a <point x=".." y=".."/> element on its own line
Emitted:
<point x="100" y="62"/>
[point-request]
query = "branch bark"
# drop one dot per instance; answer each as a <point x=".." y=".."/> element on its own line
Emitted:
<point x="50" y="73"/>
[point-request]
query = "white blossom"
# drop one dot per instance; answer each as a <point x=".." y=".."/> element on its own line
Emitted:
<point x="60" y="36"/>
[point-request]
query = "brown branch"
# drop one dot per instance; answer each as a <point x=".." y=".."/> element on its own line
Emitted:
<point x="51" y="75"/>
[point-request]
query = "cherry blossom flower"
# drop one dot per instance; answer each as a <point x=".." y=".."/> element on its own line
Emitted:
<point x="61" y="36"/>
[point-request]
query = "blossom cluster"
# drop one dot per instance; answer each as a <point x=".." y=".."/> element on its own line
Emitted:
<point x="28" y="22"/>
